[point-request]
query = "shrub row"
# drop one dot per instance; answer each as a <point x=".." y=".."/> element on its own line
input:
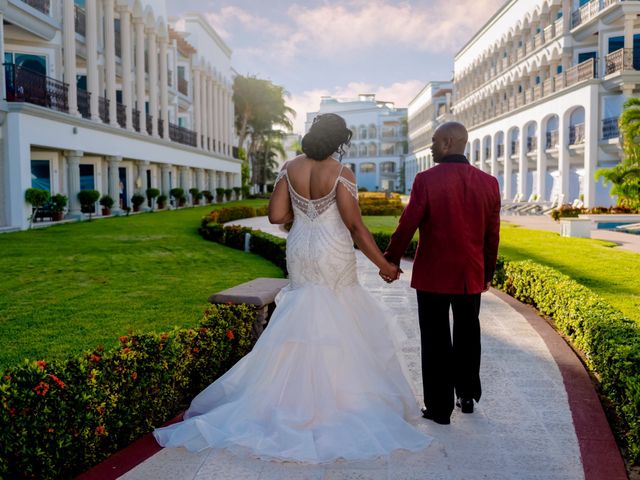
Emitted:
<point x="227" y="214"/>
<point x="58" y="419"/>
<point x="609" y="340"/>
<point x="382" y="240"/>
<point x="569" y="211"/>
<point x="380" y="204"/>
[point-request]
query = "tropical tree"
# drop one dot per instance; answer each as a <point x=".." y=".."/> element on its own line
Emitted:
<point x="269" y="148"/>
<point x="261" y="112"/>
<point x="626" y="176"/>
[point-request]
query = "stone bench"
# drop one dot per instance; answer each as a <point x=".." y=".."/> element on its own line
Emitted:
<point x="259" y="294"/>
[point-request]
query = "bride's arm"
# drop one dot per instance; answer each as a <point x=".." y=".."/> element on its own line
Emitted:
<point x="352" y="218"/>
<point x="280" y="204"/>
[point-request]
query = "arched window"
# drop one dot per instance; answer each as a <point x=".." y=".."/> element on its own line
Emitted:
<point x="362" y="132"/>
<point x="362" y="150"/>
<point x="373" y="150"/>
<point x="354" y="132"/>
<point x="387" y="167"/>
<point x="373" y="131"/>
<point x="367" y="167"/>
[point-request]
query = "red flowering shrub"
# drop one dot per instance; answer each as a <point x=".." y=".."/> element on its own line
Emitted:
<point x="58" y="419"/>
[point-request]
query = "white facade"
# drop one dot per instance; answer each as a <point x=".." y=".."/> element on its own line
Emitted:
<point x="111" y="97"/>
<point x="430" y="108"/>
<point x="379" y="142"/>
<point x="540" y="88"/>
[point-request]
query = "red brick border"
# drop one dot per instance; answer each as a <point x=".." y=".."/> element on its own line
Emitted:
<point x="600" y="454"/>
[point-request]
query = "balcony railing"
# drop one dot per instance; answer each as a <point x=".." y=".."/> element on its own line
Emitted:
<point x="532" y="144"/>
<point x="487" y="152"/>
<point x="549" y="32"/>
<point x="538" y="40"/>
<point x="118" y="43"/>
<point x="84" y="99"/>
<point x="161" y="127"/>
<point x="500" y="150"/>
<point x="621" y="59"/>
<point x="24" y="85"/>
<point x="182" y="135"/>
<point x="610" y="128"/>
<point x="515" y="145"/>
<point x="589" y="10"/>
<point x="183" y="86"/>
<point x="103" y="109"/>
<point x="80" y="20"/>
<point x="553" y="139"/>
<point x="43" y="6"/>
<point x="135" y="117"/>
<point x="149" y="124"/>
<point x="169" y="77"/>
<point x="547" y="87"/>
<point x="558" y="27"/>
<point x="581" y="72"/>
<point x="121" y="114"/>
<point x="576" y="134"/>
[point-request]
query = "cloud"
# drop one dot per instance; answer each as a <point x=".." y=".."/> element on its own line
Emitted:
<point x="400" y="93"/>
<point x="229" y="18"/>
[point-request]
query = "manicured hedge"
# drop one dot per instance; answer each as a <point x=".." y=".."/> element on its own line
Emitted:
<point x="379" y="204"/>
<point x="58" y="419"/>
<point x="382" y="240"/>
<point x="609" y="340"/>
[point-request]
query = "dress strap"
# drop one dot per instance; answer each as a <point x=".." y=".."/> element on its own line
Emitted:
<point x="281" y="175"/>
<point x="351" y="187"/>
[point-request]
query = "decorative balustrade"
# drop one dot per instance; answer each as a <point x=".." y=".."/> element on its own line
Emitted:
<point x="161" y="127"/>
<point x="532" y="144"/>
<point x="528" y="95"/>
<point x="149" y="124"/>
<point x="558" y="27"/>
<point x="610" y="128"/>
<point x="549" y="32"/>
<point x="538" y="40"/>
<point x="528" y="47"/>
<point x="553" y="139"/>
<point x="500" y="150"/>
<point x="24" y="85"/>
<point x="576" y="134"/>
<point x="135" y="117"/>
<point x="103" y="109"/>
<point x="589" y="10"/>
<point x="547" y="87"/>
<point x="84" y="100"/>
<point x="520" y="100"/>
<point x="487" y="153"/>
<point x="118" y="45"/>
<point x="621" y="59"/>
<point x="515" y="145"/>
<point x="520" y="53"/>
<point x="183" y="86"/>
<point x="182" y="135"/>
<point x="43" y="6"/>
<point x="121" y="115"/>
<point x="80" y="20"/>
<point x="581" y="72"/>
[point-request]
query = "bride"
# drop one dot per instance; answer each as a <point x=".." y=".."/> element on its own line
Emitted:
<point x="323" y="381"/>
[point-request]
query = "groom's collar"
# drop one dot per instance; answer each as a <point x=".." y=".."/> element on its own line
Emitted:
<point x="454" y="159"/>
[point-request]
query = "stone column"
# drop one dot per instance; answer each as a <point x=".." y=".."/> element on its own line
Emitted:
<point x="213" y="183"/>
<point x="218" y="115"/>
<point x="204" y="97"/>
<point x="523" y="164"/>
<point x="563" y="155"/>
<point x="69" y="48"/>
<point x="73" y="172"/>
<point x="185" y="182"/>
<point x="110" y="60"/>
<point x="591" y="132"/>
<point x="125" y="57"/>
<point x="114" y="183"/>
<point x="164" y="88"/>
<point x="3" y="86"/>
<point x="211" y="110"/>
<point x="230" y="120"/>
<point x="566" y="16"/>
<point x="153" y="79"/>
<point x="200" y="179"/>
<point x="541" y="165"/>
<point x="91" y="42"/>
<point x="494" y="157"/>
<point x="138" y="24"/>
<point x="166" y="187"/>
<point x="196" y="106"/>
<point x="508" y="169"/>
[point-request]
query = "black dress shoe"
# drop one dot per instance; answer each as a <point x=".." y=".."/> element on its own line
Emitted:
<point x="430" y="416"/>
<point x="465" y="404"/>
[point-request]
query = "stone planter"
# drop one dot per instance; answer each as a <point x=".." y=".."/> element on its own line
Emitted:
<point x="575" y="227"/>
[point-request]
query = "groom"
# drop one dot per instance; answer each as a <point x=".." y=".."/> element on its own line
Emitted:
<point x="457" y="209"/>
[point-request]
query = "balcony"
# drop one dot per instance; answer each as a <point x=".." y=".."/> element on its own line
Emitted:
<point x="182" y="135"/>
<point x="610" y="128"/>
<point x="43" y="6"/>
<point x="135" y="116"/>
<point x="103" y="109"/>
<point x="553" y="139"/>
<point x="84" y="99"/>
<point x="532" y="144"/>
<point x="618" y="61"/>
<point x="581" y="72"/>
<point x="549" y="32"/>
<point x="183" y="86"/>
<point x="589" y="10"/>
<point x="121" y="115"/>
<point x="500" y="150"/>
<point x="149" y="124"/>
<point x="515" y="145"/>
<point x="80" y="20"/>
<point x="576" y="134"/>
<point x="24" y="85"/>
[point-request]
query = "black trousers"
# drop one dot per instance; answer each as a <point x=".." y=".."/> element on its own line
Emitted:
<point x="449" y="367"/>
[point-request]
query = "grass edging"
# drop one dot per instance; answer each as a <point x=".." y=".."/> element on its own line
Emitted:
<point x="609" y="341"/>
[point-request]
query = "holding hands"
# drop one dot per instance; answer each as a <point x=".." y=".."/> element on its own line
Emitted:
<point x="390" y="272"/>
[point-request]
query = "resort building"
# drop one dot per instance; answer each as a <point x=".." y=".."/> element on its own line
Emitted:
<point x="430" y="108"/>
<point x="379" y="142"/>
<point x="109" y="95"/>
<point x="541" y="86"/>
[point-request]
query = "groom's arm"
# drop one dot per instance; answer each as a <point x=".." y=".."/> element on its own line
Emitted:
<point x="409" y="222"/>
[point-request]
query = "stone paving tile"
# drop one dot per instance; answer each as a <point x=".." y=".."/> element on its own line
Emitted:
<point x="521" y="429"/>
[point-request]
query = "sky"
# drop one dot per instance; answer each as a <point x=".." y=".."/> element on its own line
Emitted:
<point x="343" y="47"/>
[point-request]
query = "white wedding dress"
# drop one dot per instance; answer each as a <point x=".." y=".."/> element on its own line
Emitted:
<point x="323" y="382"/>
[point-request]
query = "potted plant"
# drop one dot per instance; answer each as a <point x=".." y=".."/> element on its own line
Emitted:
<point x="195" y="196"/>
<point x="107" y="203"/>
<point x="36" y="197"/>
<point x="237" y="191"/>
<point x="152" y="194"/>
<point x="227" y="193"/>
<point x="178" y="196"/>
<point x="58" y="204"/>
<point x="162" y="201"/>
<point x="88" y="198"/>
<point x="219" y="194"/>
<point x="208" y="195"/>
<point x="137" y="200"/>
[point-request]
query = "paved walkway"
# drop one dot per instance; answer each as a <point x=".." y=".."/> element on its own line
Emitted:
<point x="625" y="241"/>
<point x="523" y="427"/>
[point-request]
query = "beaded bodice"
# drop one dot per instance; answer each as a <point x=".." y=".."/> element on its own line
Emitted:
<point x="319" y="246"/>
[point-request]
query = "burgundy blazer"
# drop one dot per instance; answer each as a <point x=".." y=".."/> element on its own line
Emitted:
<point x="457" y="209"/>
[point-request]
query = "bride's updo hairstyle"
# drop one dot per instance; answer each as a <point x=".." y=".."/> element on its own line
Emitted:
<point x="328" y="134"/>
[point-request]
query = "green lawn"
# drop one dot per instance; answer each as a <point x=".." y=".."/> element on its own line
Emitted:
<point x="613" y="274"/>
<point x="74" y="286"/>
